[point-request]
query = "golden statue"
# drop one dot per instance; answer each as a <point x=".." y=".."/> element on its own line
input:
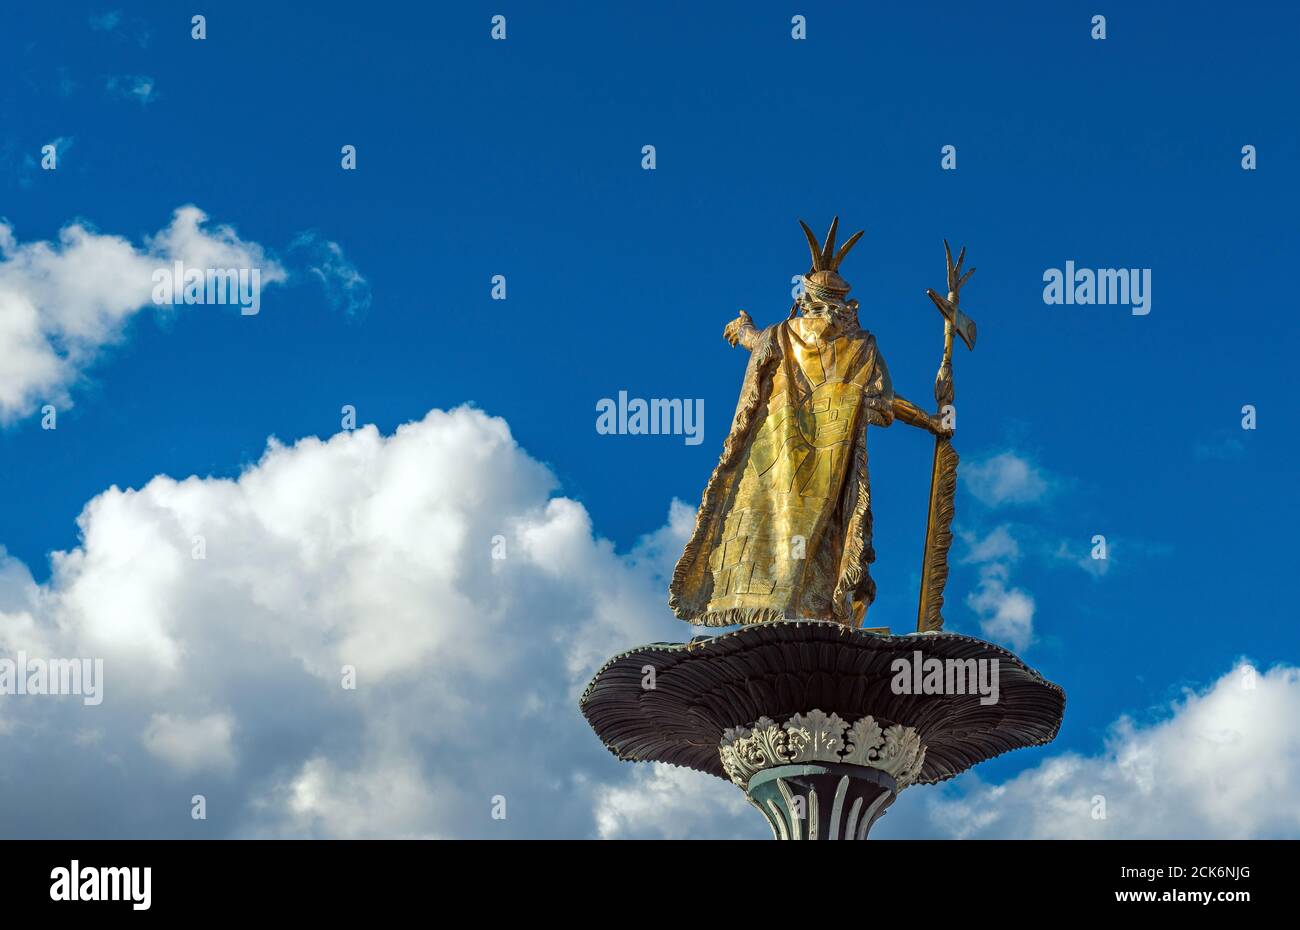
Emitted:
<point x="801" y="707"/>
<point x="784" y="527"/>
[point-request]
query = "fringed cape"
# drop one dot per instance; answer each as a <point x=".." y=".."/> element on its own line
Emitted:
<point x="742" y="515"/>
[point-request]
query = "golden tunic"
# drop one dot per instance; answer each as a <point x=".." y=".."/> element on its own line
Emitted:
<point x="784" y="529"/>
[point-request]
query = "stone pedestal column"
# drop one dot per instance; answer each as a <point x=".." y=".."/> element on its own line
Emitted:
<point x="816" y="777"/>
<point x="821" y="802"/>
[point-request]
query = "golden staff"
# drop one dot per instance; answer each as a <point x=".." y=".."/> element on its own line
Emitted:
<point x="943" y="477"/>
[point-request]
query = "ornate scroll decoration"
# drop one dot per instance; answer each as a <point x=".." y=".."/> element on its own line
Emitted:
<point x="864" y="737"/>
<point x="817" y="737"/>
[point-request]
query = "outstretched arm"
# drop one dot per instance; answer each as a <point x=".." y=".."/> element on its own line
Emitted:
<point x="911" y="414"/>
<point x="742" y="331"/>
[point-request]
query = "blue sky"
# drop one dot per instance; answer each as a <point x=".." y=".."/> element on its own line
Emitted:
<point x="523" y="158"/>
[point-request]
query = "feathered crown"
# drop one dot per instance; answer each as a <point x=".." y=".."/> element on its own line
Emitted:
<point x="823" y="280"/>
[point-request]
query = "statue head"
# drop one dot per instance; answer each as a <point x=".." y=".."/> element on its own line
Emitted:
<point x="823" y="282"/>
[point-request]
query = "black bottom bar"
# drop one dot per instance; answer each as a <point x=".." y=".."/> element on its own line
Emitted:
<point x="646" y="881"/>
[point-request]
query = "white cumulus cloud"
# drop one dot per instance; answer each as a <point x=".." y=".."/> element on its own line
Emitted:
<point x="62" y="302"/>
<point x="343" y="284"/>
<point x="661" y="801"/>
<point x="1006" y="478"/>
<point x="136" y="88"/>
<point x="1006" y="612"/>
<point x="438" y="570"/>
<point x="192" y="744"/>
<point x="224" y="675"/>
<point x="1224" y="763"/>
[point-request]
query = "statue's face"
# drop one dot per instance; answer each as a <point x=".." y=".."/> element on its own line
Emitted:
<point x="839" y="309"/>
